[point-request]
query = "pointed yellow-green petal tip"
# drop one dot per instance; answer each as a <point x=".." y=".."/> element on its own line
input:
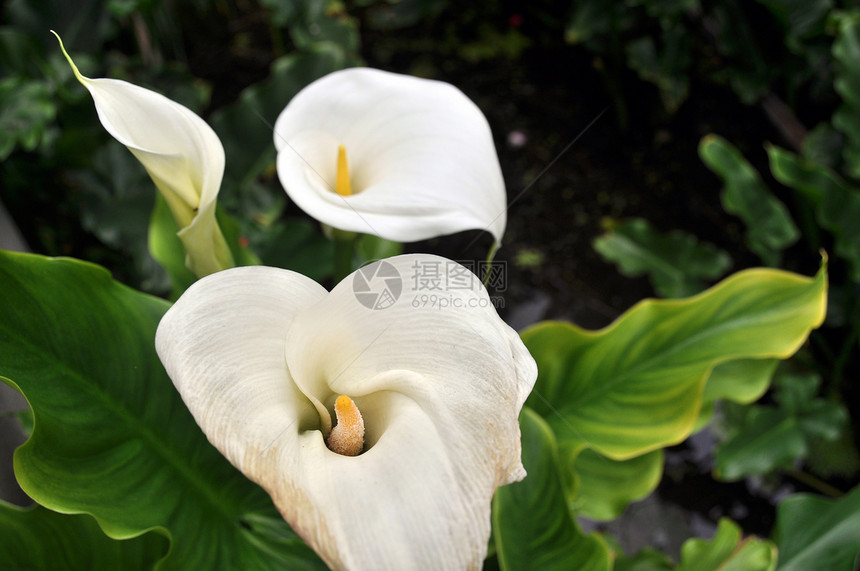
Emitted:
<point x="77" y="73"/>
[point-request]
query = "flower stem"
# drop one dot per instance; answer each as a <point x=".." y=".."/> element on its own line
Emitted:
<point x="344" y="248"/>
<point x="490" y="255"/>
<point x="816" y="483"/>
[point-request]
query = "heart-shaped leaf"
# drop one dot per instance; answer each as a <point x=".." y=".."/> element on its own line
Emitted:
<point x="817" y="533"/>
<point x="111" y="436"/>
<point x="605" y="487"/>
<point x="37" y="538"/>
<point x="532" y="524"/>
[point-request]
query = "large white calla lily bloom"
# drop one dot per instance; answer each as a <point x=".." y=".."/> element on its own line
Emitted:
<point x="421" y="157"/>
<point x="182" y="155"/>
<point x="426" y="391"/>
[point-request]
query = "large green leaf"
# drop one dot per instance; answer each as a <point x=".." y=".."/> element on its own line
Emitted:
<point x="677" y="263"/>
<point x="836" y="204"/>
<point x="605" y="487"/>
<point x="637" y="385"/>
<point x="817" y="533"/>
<point x="763" y="438"/>
<point x="111" y="436"/>
<point x="37" y="538"/>
<point x="742" y="381"/>
<point x="846" y="52"/>
<point x="532" y="525"/>
<point x="728" y="551"/>
<point x="770" y="228"/>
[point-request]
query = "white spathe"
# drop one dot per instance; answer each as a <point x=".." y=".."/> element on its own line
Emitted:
<point x="182" y="155"/>
<point x="259" y="356"/>
<point x="421" y="156"/>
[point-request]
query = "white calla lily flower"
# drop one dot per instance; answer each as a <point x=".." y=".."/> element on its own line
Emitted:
<point x="421" y="157"/>
<point x="182" y="155"/>
<point x="426" y="392"/>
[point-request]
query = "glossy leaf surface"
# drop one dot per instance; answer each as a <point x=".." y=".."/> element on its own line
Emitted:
<point x="637" y="385"/>
<point x="817" y="533"/>
<point x="37" y="538"/>
<point x="111" y="436"/>
<point x="532" y="525"/>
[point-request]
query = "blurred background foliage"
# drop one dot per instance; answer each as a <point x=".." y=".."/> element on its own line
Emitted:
<point x="732" y="139"/>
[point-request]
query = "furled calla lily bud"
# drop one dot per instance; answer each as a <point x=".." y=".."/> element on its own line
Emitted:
<point x="421" y="157"/>
<point x="426" y="391"/>
<point x="181" y="153"/>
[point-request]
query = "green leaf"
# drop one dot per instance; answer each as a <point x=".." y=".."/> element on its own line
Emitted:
<point x="846" y="53"/>
<point x="727" y="551"/>
<point x="742" y="381"/>
<point x="637" y="385"/>
<point x="837" y="458"/>
<point x="37" y="538"/>
<point x="666" y="66"/>
<point x="822" y="146"/>
<point x="594" y="21"/>
<point x="817" y="533"/>
<point x="27" y="111"/>
<point x="605" y="487"/>
<point x="167" y="249"/>
<point x="236" y="241"/>
<point x="675" y="262"/>
<point x="113" y="195"/>
<point x="371" y="248"/>
<point x="111" y="435"/>
<point x="296" y="244"/>
<point x="764" y="438"/>
<point x="749" y="74"/>
<point x="326" y="23"/>
<point x="532" y="525"/>
<point x="801" y="19"/>
<point x="836" y="204"/>
<point x="645" y="560"/>
<point x="770" y="228"/>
